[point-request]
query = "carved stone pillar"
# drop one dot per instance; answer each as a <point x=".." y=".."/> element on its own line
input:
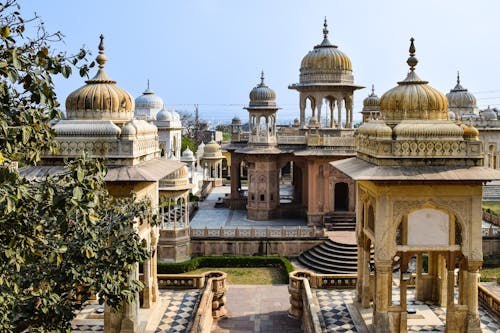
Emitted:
<point x="319" y="105"/>
<point x="302" y="107"/>
<point x="235" y="177"/>
<point x="147" y="296"/>
<point x="366" y="292"/>
<point x="383" y="279"/>
<point x="331" y="104"/>
<point x="339" y="108"/>
<point x="473" y="322"/>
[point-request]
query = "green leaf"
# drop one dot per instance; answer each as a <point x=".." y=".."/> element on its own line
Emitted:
<point x="77" y="193"/>
<point x="79" y="174"/>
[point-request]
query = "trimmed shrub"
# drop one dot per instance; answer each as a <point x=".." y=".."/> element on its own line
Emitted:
<point x="225" y="261"/>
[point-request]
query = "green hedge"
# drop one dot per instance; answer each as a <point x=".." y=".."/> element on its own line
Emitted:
<point x="224" y="261"/>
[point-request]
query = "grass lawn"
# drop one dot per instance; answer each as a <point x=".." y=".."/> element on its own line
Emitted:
<point x="493" y="205"/>
<point x="489" y="273"/>
<point x="249" y="275"/>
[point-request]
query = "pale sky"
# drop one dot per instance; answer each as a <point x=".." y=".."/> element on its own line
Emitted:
<point x="211" y="52"/>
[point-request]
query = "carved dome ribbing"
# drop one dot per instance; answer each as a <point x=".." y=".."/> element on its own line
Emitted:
<point x="326" y="64"/>
<point x="375" y="128"/>
<point x="413" y="98"/>
<point x="372" y="101"/>
<point x="459" y="97"/>
<point x="211" y="147"/>
<point x="489" y="114"/>
<point x="100" y="98"/>
<point x="149" y="100"/>
<point x="262" y="95"/>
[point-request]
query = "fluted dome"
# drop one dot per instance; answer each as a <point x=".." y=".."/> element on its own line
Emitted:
<point x="262" y="95"/>
<point x="100" y="98"/>
<point x="489" y="114"/>
<point x="326" y="64"/>
<point x="413" y="98"/>
<point x="470" y="132"/>
<point x="211" y="147"/>
<point x="415" y="129"/>
<point x="459" y="97"/>
<point x="452" y="115"/>
<point x="164" y="115"/>
<point x="375" y="128"/>
<point x="187" y="155"/>
<point x="148" y="100"/>
<point x="372" y="101"/>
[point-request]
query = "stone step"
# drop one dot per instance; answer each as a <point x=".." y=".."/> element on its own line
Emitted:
<point x="331" y="257"/>
<point x="326" y="268"/>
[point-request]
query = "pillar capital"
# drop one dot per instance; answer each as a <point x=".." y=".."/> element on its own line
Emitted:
<point x="474" y="265"/>
<point x="383" y="265"/>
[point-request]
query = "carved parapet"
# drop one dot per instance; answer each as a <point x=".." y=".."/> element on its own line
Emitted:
<point x="295" y="288"/>
<point x="219" y="289"/>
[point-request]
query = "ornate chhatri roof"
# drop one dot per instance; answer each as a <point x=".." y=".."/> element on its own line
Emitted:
<point x="415" y="129"/>
<point x="413" y="98"/>
<point x="459" y="97"/>
<point x="372" y="101"/>
<point x="325" y="63"/>
<point x="100" y="98"/>
<point x="262" y="95"/>
<point x="147" y="102"/>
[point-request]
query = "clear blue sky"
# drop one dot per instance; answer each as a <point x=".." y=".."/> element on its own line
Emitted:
<point x="211" y="52"/>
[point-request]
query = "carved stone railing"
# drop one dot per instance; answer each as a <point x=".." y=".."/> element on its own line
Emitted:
<point x="281" y="233"/>
<point x="302" y="305"/>
<point x="489" y="300"/>
<point x="177" y="281"/>
<point x="491" y="218"/>
<point x="211" y="303"/>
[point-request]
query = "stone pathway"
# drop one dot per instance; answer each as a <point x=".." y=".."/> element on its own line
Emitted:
<point x="180" y="305"/>
<point x="257" y="309"/>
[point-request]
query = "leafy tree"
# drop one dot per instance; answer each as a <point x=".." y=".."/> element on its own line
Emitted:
<point x="193" y="126"/>
<point x="64" y="238"/>
<point x="61" y="238"/>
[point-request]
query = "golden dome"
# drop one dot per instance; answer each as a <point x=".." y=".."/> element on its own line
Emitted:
<point x="470" y="132"/>
<point x="326" y="64"/>
<point x="100" y="98"/>
<point x="262" y="95"/>
<point x="211" y="147"/>
<point x="415" y="129"/>
<point x="375" y="128"/>
<point x="413" y="98"/>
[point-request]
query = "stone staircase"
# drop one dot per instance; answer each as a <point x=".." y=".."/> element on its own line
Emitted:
<point x="491" y="192"/>
<point x="331" y="258"/>
<point x="340" y="221"/>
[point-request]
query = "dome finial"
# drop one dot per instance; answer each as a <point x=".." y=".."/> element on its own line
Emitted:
<point x="325" y="29"/>
<point x="262" y="77"/>
<point x="458" y="78"/>
<point x="148" y="84"/>
<point x="373" y="89"/>
<point x="412" y="60"/>
<point x="101" y="58"/>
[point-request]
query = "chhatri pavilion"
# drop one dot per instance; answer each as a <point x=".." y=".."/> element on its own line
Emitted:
<point x="419" y="178"/>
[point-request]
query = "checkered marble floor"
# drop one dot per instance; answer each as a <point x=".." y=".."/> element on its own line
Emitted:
<point x="179" y="310"/>
<point x="333" y="304"/>
<point x="334" y="309"/>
